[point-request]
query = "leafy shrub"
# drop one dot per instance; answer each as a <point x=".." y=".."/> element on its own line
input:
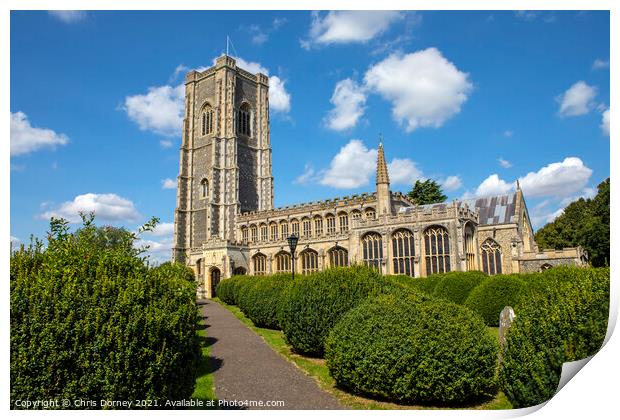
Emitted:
<point x="492" y="295"/>
<point x="313" y="304"/>
<point x="430" y="352"/>
<point x="456" y="285"/>
<point x="424" y="285"/>
<point x="174" y="270"/>
<point x="89" y="320"/>
<point x="259" y="299"/>
<point x="226" y="290"/>
<point x="565" y="319"/>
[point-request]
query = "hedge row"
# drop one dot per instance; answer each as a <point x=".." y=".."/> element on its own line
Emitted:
<point x="497" y="292"/>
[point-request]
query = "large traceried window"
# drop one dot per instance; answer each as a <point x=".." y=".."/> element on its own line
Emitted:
<point x="283" y="262"/>
<point x="307" y="227"/>
<point x="470" y="249"/>
<point x="284" y="229"/>
<point x="309" y="261"/>
<point x="403" y="251"/>
<point x="437" y="250"/>
<point x="263" y="232"/>
<point x="343" y="219"/>
<point x="372" y="246"/>
<point x="243" y="120"/>
<point x="207" y="120"/>
<point x="338" y="257"/>
<point x="260" y="264"/>
<point x="331" y="224"/>
<point x="295" y="227"/>
<point x="318" y="226"/>
<point x="491" y="255"/>
<point x="273" y="231"/>
<point x="254" y="233"/>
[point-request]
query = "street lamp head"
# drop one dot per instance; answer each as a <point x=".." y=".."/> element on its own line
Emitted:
<point x="292" y="242"/>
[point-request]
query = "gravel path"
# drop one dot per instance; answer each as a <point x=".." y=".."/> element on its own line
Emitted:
<point x="246" y="368"/>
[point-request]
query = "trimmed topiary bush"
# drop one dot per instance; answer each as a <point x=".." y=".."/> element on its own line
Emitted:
<point x="226" y="290"/>
<point x="456" y="285"/>
<point x="89" y="320"/>
<point x="259" y="299"/>
<point x="424" y="285"/>
<point x="313" y="304"/>
<point x="492" y="295"/>
<point x="174" y="270"/>
<point x="431" y="352"/>
<point x="563" y="318"/>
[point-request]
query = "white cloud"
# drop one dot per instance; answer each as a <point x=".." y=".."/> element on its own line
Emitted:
<point x="352" y="167"/>
<point x="166" y="144"/>
<point x="68" y="16"/>
<point x="308" y="176"/>
<point x="159" y="110"/>
<point x="181" y="68"/>
<point x="600" y="64"/>
<point x="279" y="98"/>
<point x="558" y="179"/>
<point x="348" y="100"/>
<point x="163" y="229"/>
<point x="349" y="26"/>
<point x="577" y="100"/>
<point x="605" y="122"/>
<point x="493" y="185"/>
<point x="504" y="163"/>
<point x="424" y="87"/>
<point x="404" y="171"/>
<point x="15" y="242"/>
<point x="168" y="184"/>
<point x="451" y="183"/>
<point x="107" y="207"/>
<point x="25" y="138"/>
<point x="158" y="251"/>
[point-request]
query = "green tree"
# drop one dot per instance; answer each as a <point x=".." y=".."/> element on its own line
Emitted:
<point x="426" y="192"/>
<point x="584" y="222"/>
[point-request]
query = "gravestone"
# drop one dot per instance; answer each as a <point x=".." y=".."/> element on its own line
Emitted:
<point x="506" y="317"/>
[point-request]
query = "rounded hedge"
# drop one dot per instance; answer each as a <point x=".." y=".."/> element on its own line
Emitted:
<point x="431" y="352"/>
<point x="260" y="298"/>
<point x="225" y="290"/>
<point x="456" y="285"/>
<point x="563" y="318"/>
<point x="424" y="285"/>
<point x="95" y="323"/>
<point x="174" y="270"/>
<point x="492" y="295"/>
<point x="313" y="304"/>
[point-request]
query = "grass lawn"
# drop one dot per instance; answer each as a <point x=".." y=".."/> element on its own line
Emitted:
<point x="205" y="389"/>
<point x="317" y="369"/>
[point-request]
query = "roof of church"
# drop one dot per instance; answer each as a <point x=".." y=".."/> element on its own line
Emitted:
<point x="493" y="210"/>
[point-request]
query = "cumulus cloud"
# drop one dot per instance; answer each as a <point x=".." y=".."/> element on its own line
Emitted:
<point x="404" y="171"/>
<point x="600" y="64"/>
<point x="308" y="176"/>
<point x="168" y="184"/>
<point x="425" y="89"/>
<point x="558" y="179"/>
<point x="493" y="185"/>
<point x="349" y="26"/>
<point x="279" y="98"/>
<point x="605" y="122"/>
<point x="25" y="138"/>
<point x="163" y="229"/>
<point x="68" y="16"/>
<point x="451" y="183"/>
<point x="348" y="100"/>
<point x="166" y="144"/>
<point x="158" y="250"/>
<point x="352" y="167"/>
<point x="504" y="163"/>
<point x="577" y="100"/>
<point x="159" y="110"/>
<point x="107" y="207"/>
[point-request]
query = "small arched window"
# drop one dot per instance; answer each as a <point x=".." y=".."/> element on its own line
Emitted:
<point x="295" y="227"/>
<point x="284" y="229"/>
<point x="491" y="254"/>
<point x="307" y="227"/>
<point x="243" y="119"/>
<point x="331" y="224"/>
<point x="370" y="213"/>
<point x="254" y="233"/>
<point x="207" y="120"/>
<point x="372" y="246"/>
<point x="309" y="261"/>
<point x="204" y="188"/>
<point x="273" y="231"/>
<point x="338" y="257"/>
<point x="318" y="225"/>
<point x="283" y="262"/>
<point x="343" y="220"/>
<point x="244" y="234"/>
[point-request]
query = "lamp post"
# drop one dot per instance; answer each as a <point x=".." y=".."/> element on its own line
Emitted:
<point x="292" y="244"/>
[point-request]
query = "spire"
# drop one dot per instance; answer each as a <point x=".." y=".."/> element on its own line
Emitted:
<point x="382" y="170"/>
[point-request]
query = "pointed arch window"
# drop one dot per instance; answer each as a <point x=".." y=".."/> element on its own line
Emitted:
<point x="207" y="120"/>
<point x="437" y="250"/>
<point x="295" y="227"/>
<point x="470" y="249"/>
<point x="372" y="247"/>
<point x="273" y="231"/>
<point x="260" y="264"/>
<point x="254" y="233"/>
<point x="318" y="226"/>
<point x="338" y="257"/>
<point x="331" y="224"/>
<point x="343" y="220"/>
<point x="403" y="251"/>
<point x="491" y="255"/>
<point x="309" y="261"/>
<point x="307" y="227"/>
<point x="284" y="229"/>
<point x="204" y="188"/>
<point x="283" y="262"/>
<point x="243" y="119"/>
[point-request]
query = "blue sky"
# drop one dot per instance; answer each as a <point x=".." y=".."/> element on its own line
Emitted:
<point x="475" y="100"/>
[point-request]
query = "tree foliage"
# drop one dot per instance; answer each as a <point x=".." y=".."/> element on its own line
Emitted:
<point x="426" y="192"/>
<point x="584" y="222"/>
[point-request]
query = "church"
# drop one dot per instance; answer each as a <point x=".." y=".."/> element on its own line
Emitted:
<point x="225" y="222"/>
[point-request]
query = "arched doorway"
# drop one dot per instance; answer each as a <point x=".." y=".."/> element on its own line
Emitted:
<point x="215" y="279"/>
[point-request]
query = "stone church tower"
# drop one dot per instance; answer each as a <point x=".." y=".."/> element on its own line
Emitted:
<point x="225" y="157"/>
